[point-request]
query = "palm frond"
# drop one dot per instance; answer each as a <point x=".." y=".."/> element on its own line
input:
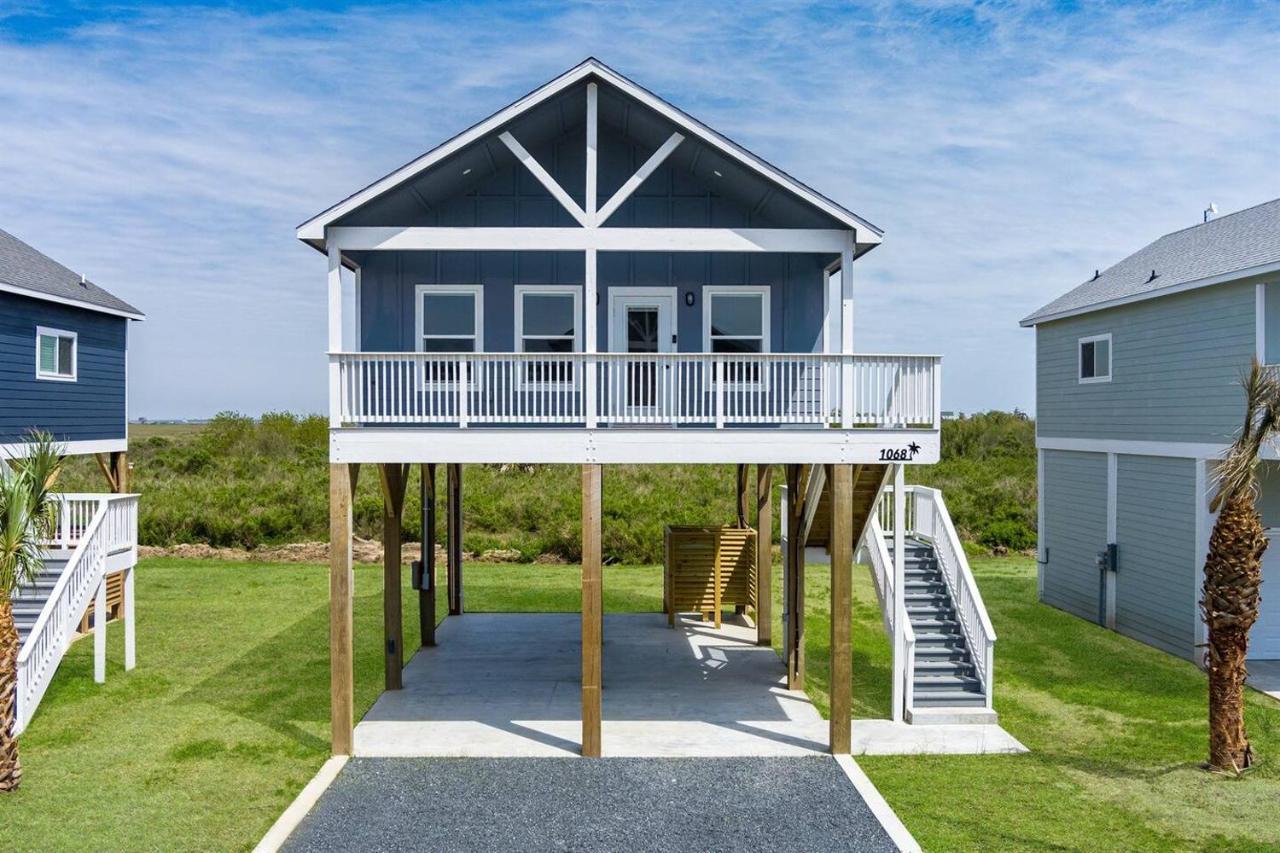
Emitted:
<point x="1236" y="474"/>
<point x="28" y="512"/>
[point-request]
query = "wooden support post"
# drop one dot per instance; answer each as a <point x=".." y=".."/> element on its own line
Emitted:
<point x="592" y="610"/>
<point x="427" y="590"/>
<point x="453" y="509"/>
<point x="764" y="555"/>
<point x="795" y="579"/>
<point x="840" y="478"/>
<point x="394" y="477"/>
<point x="115" y="470"/>
<point x="740" y="609"/>
<point x="342" y="483"/>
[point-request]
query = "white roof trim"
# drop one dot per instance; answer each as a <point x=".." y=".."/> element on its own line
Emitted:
<point x="313" y="229"/>
<point x="62" y="300"/>
<point x="1209" y="281"/>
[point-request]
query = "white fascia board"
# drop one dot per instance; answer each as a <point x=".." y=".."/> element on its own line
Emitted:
<point x="314" y="229"/>
<point x="1183" y="449"/>
<point x="18" y="450"/>
<point x="1209" y="281"/>
<point x="62" y="300"/>
<point x="617" y="445"/>
<point x="378" y="238"/>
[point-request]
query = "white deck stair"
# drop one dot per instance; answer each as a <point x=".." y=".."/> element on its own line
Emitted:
<point x="944" y="644"/>
<point x="97" y="537"/>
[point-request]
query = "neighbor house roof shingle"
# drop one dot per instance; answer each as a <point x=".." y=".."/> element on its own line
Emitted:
<point x="29" y="271"/>
<point x="1240" y="241"/>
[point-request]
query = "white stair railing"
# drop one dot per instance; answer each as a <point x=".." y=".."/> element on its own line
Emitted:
<point x="891" y="605"/>
<point x="933" y="522"/>
<point x="110" y="528"/>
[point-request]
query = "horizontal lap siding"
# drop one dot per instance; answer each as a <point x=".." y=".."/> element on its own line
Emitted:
<point x="1075" y="529"/>
<point x="92" y="407"/>
<point x="1176" y="364"/>
<point x="1156" y="533"/>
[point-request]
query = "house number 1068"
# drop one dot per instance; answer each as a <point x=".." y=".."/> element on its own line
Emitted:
<point x="899" y="454"/>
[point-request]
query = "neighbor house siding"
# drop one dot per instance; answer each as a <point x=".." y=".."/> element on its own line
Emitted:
<point x="1175" y="369"/>
<point x="90" y="408"/>
<point x="1075" y="529"/>
<point x="1156" y="534"/>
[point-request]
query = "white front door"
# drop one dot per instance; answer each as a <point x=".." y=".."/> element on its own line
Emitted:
<point x="641" y="321"/>
<point x="1264" y="638"/>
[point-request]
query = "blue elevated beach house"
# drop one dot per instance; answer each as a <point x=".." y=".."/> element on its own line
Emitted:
<point x="591" y="276"/>
<point x="63" y="345"/>
<point x="1137" y="396"/>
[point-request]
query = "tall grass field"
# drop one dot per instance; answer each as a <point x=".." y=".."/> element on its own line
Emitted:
<point x="241" y="482"/>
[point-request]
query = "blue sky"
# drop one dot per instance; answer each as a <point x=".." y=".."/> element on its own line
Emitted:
<point x="1008" y="149"/>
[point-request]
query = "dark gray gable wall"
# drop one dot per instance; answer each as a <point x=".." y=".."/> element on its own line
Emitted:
<point x="500" y="192"/>
<point x="92" y="407"/>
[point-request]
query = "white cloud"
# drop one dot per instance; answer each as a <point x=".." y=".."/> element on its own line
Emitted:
<point x="1007" y="149"/>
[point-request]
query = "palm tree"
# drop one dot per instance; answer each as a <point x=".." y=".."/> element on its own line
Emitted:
<point x="28" y="515"/>
<point x="1233" y="571"/>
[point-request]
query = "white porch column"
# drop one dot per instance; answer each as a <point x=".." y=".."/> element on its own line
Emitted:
<point x="899" y="593"/>
<point x="130" y="623"/>
<point x="100" y="633"/>
<point x="590" y="342"/>
<point x="846" y="334"/>
<point x="335" y="333"/>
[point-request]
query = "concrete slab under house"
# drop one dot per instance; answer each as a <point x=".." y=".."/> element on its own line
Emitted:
<point x="590" y="276"/>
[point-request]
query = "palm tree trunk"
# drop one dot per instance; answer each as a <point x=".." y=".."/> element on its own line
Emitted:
<point x="10" y="767"/>
<point x="1233" y="574"/>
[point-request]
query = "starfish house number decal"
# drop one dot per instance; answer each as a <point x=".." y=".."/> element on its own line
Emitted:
<point x="899" y="454"/>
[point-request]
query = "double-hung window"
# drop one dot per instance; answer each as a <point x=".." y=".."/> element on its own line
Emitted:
<point x="450" y="319"/>
<point x="1094" y="358"/>
<point x="55" y="354"/>
<point x="735" y="321"/>
<point x="548" y="324"/>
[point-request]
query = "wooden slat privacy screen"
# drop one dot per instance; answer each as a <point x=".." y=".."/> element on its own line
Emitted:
<point x="708" y="568"/>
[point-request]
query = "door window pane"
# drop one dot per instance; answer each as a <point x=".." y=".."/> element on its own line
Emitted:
<point x="642" y="330"/>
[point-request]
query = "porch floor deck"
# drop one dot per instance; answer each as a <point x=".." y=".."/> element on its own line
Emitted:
<point x="508" y="684"/>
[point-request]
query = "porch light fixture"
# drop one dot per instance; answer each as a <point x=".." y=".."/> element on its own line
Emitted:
<point x="688" y="298"/>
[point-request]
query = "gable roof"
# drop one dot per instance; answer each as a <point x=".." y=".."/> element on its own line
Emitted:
<point x="312" y="231"/>
<point x="28" y="272"/>
<point x="1239" y="244"/>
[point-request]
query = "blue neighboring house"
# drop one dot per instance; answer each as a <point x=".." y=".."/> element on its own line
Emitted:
<point x="63" y="356"/>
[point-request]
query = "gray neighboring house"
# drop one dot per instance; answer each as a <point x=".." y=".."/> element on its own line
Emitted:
<point x="1137" y="393"/>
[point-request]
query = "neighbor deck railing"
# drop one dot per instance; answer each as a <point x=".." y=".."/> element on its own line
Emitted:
<point x="592" y="389"/>
<point x="96" y="527"/>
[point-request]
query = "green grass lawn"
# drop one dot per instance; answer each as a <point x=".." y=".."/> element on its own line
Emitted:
<point x="226" y="718"/>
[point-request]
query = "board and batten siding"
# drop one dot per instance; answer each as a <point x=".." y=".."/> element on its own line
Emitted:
<point x="1156" y="579"/>
<point x="90" y="408"/>
<point x="1175" y="369"/>
<point x="1075" y="529"/>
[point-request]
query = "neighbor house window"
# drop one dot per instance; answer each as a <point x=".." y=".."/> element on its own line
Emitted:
<point x="450" y="319"/>
<point x="1095" y="358"/>
<point x="55" y="354"/>
<point x="547" y="323"/>
<point x="735" y="321"/>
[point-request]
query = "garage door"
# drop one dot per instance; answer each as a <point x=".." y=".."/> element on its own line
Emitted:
<point x="1075" y="529"/>
<point x="1264" y="639"/>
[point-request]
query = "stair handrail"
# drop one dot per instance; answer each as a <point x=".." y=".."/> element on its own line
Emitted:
<point x="47" y="642"/>
<point x="965" y="595"/>
<point x="891" y="605"/>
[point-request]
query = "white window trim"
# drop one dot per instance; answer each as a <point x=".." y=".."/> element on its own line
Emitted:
<point x="476" y="290"/>
<point x="766" y="330"/>
<point x="46" y="331"/>
<point x="519" y="336"/>
<point x="1111" y="359"/>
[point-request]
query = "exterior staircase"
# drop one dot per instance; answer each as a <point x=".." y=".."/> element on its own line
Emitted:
<point x="30" y="600"/>
<point x="945" y="675"/>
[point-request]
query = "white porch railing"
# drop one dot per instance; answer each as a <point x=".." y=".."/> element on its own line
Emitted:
<point x="96" y="526"/>
<point x="461" y="389"/>
<point x="927" y="518"/>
